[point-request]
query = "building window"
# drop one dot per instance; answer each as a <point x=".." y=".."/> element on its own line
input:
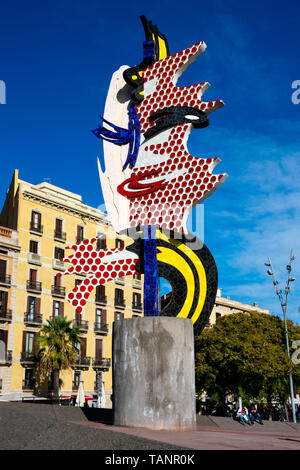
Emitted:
<point x="136" y="299"/>
<point x="29" y="342"/>
<point x="36" y="221"/>
<point x="80" y="233"/>
<point x="119" y="243"/>
<point x="58" y="309"/>
<point x="101" y="242"/>
<point x="137" y="276"/>
<point x="58" y="230"/>
<point x="78" y="281"/>
<point x="59" y="253"/>
<point x="2" y="270"/>
<point x="98" y="317"/>
<point x="33" y="246"/>
<point x="100" y="294"/>
<point x="31" y="305"/>
<point x="119" y="315"/>
<point x="3" y="301"/>
<point x="119" y="298"/>
<point x="218" y="315"/>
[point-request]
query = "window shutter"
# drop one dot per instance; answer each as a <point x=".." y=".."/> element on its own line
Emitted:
<point x="83" y="347"/>
<point x="77" y="316"/>
<point x="2" y="269"/>
<point x="99" y="349"/>
<point x="103" y="317"/>
<point x="53" y="310"/>
<point x="28" y="304"/>
<point x="36" y="346"/>
<point x="61" y="309"/>
<point x="24" y="341"/>
<point x="38" y="306"/>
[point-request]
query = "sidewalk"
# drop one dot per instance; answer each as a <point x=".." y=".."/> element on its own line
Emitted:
<point x="51" y="427"/>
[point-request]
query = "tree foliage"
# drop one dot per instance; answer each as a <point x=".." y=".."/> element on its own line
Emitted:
<point x="58" y="343"/>
<point x="245" y="354"/>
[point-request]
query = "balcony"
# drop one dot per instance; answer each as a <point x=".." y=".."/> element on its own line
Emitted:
<point x="82" y="324"/>
<point x="82" y="361"/>
<point x="28" y="357"/>
<point x="137" y="283"/>
<point x="36" y="228"/>
<point x="58" y="291"/>
<point x="101" y="299"/>
<point x="120" y="303"/>
<point x="5" y="315"/>
<point x="28" y="384"/>
<point x="7" y="359"/>
<point x="100" y="328"/>
<point x="34" y="286"/>
<point x="101" y="363"/>
<point x="137" y="307"/>
<point x="58" y="264"/>
<point x="5" y="232"/>
<point x="5" y="280"/>
<point x="60" y="236"/>
<point x="34" y="319"/>
<point x="34" y="258"/>
<point x="120" y="280"/>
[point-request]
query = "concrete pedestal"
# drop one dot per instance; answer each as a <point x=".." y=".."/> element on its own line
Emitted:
<point x="153" y="373"/>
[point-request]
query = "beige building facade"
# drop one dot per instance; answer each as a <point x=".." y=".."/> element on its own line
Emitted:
<point x="45" y="220"/>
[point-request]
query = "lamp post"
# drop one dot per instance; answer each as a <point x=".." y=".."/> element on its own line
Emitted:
<point x="283" y="303"/>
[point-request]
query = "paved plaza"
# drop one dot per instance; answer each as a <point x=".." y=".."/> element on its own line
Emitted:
<point x="28" y="426"/>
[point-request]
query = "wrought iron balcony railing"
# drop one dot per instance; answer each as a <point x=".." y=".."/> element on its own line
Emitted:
<point x="82" y="324"/>
<point x="5" y="279"/>
<point x="59" y="235"/>
<point x="136" y="306"/>
<point x="6" y="315"/>
<point x="101" y="299"/>
<point x="120" y="303"/>
<point x="82" y="361"/>
<point x="100" y="327"/>
<point x="58" y="291"/>
<point x="28" y="357"/>
<point x="37" y="228"/>
<point x="35" y="286"/>
<point x="102" y="362"/>
<point x="33" y="318"/>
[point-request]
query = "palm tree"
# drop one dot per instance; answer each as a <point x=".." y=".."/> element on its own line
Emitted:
<point x="58" y="347"/>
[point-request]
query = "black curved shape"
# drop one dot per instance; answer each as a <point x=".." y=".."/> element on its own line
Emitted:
<point x="174" y="115"/>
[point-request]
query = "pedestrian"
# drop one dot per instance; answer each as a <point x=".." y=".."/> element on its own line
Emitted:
<point x="255" y="414"/>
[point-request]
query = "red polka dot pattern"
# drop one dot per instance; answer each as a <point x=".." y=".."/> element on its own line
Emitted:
<point x="185" y="180"/>
<point x="88" y="260"/>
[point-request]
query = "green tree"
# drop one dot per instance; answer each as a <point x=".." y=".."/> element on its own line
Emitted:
<point x="58" y="343"/>
<point x="245" y="354"/>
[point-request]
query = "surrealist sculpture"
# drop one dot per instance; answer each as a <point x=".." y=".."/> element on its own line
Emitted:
<point x="151" y="183"/>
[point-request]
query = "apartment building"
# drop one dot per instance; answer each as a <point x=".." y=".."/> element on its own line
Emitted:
<point x="9" y="251"/>
<point x="45" y="220"/>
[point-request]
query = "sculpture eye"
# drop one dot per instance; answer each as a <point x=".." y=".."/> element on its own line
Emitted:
<point x="192" y="118"/>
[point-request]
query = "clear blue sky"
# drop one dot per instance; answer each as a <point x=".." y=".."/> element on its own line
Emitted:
<point x="57" y="58"/>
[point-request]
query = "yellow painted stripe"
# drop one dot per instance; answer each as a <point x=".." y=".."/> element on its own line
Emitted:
<point x="200" y="270"/>
<point x="169" y="256"/>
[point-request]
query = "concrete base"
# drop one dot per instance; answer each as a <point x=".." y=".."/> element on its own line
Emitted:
<point x="154" y="373"/>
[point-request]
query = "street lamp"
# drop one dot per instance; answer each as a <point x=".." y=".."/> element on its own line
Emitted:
<point x="283" y="303"/>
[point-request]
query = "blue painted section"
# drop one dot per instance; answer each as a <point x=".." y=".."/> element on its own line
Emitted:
<point x="120" y="136"/>
<point x="151" y="286"/>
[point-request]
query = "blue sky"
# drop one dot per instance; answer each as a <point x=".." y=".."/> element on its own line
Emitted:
<point x="57" y="58"/>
